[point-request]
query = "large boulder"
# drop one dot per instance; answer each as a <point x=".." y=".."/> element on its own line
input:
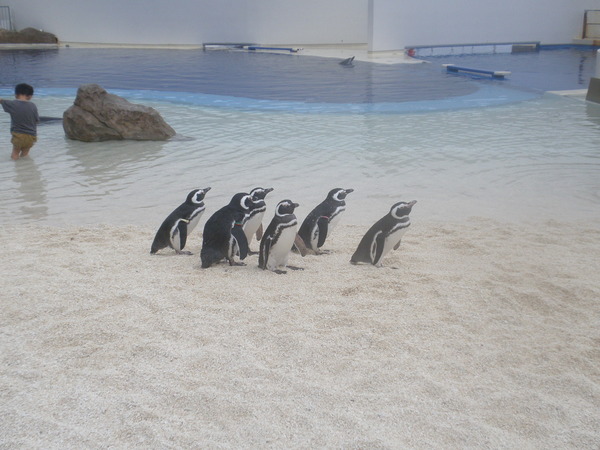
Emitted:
<point x="97" y="116"/>
<point x="27" y="36"/>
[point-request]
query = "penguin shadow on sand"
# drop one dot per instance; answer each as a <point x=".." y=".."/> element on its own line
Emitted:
<point x="385" y="235"/>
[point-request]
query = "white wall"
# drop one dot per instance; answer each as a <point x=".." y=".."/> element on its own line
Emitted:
<point x="398" y="24"/>
<point x="196" y="21"/>
<point x="384" y="24"/>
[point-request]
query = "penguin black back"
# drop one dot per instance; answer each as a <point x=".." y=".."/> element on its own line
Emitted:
<point x="223" y="235"/>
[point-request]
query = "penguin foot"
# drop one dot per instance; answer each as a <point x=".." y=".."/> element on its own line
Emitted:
<point x="295" y="268"/>
<point x="237" y="263"/>
<point x="279" y="272"/>
<point x="184" y="252"/>
<point x="252" y="253"/>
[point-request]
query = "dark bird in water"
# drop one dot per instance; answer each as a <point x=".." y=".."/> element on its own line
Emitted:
<point x="349" y="62"/>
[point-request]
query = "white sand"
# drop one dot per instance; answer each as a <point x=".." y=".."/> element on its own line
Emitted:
<point x="487" y="335"/>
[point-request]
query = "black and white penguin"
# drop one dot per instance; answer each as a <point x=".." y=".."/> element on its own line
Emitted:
<point x="178" y="225"/>
<point x="384" y="235"/>
<point x="223" y="235"/>
<point x="279" y="238"/>
<point x="253" y="223"/>
<point x="320" y="222"/>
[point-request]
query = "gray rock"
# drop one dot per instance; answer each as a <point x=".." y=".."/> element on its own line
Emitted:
<point x="97" y="116"/>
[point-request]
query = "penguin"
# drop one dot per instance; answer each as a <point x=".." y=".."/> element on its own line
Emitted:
<point x="178" y="225"/>
<point x="253" y="223"/>
<point x="223" y="235"/>
<point x="279" y="238"/>
<point x="317" y="226"/>
<point x="384" y="235"/>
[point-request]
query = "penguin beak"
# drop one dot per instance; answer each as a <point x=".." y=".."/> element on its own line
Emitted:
<point x="206" y="189"/>
<point x="411" y="204"/>
<point x="295" y="205"/>
<point x="349" y="190"/>
<point x="269" y="190"/>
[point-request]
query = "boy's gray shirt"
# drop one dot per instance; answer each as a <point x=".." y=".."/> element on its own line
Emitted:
<point x="23" y="116"/>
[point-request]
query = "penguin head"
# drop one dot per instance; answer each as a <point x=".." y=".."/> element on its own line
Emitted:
<point x="259" y="193"/>
<point x="241" y="201"/>
<point x="401" y="209"/>
<point x="197" y="195"/>
<point x="285" y="207"/>
<point x="338" y="194"/>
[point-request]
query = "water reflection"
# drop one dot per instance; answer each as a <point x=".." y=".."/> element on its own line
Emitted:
<point x="100" y="163"/>
<point x="32" y="188"/>
<point x="593" y="113"/>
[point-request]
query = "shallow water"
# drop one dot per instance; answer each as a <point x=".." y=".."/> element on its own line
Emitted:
<point x="534" y="160"/>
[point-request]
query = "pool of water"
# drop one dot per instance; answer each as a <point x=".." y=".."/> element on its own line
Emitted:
<point x="553" y="68"/>
<point x="258" y="76"/>
<point x="530" y="157"/>
<point x="528" y="161"/>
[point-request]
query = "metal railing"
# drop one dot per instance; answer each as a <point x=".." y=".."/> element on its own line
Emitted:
<point x="5" y="19"/>
<point x="591" y="24"/>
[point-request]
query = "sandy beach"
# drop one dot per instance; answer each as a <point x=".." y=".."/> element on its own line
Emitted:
<point x="479" y="334"/>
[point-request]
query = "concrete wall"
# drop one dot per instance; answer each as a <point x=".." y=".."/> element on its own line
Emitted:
<point x="384" y="24"/>
<point x="196" y="21"/>
<point x="398" y="24"/>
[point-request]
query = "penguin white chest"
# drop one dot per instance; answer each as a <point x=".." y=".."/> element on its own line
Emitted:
<point x="195" y="218"/>
<point x="280" y="250"/>
<point x="393" y="239"/>
<point x="335" y="219"/>
<point x="252" y="224"/>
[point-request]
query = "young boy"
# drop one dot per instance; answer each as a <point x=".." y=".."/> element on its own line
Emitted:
<point x="23" y="120"/>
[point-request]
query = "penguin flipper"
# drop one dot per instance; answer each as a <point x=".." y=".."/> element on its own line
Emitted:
<point x="238" y="233"/>
<point x="178" y="235"/>
<point x="259" y="232"/>
<point x="183" y="229"/>
<point x="379" y="243"/>
<point x="301" y="246"/>
<point x="323" y="224"/>
<point x="264" y="254"/>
